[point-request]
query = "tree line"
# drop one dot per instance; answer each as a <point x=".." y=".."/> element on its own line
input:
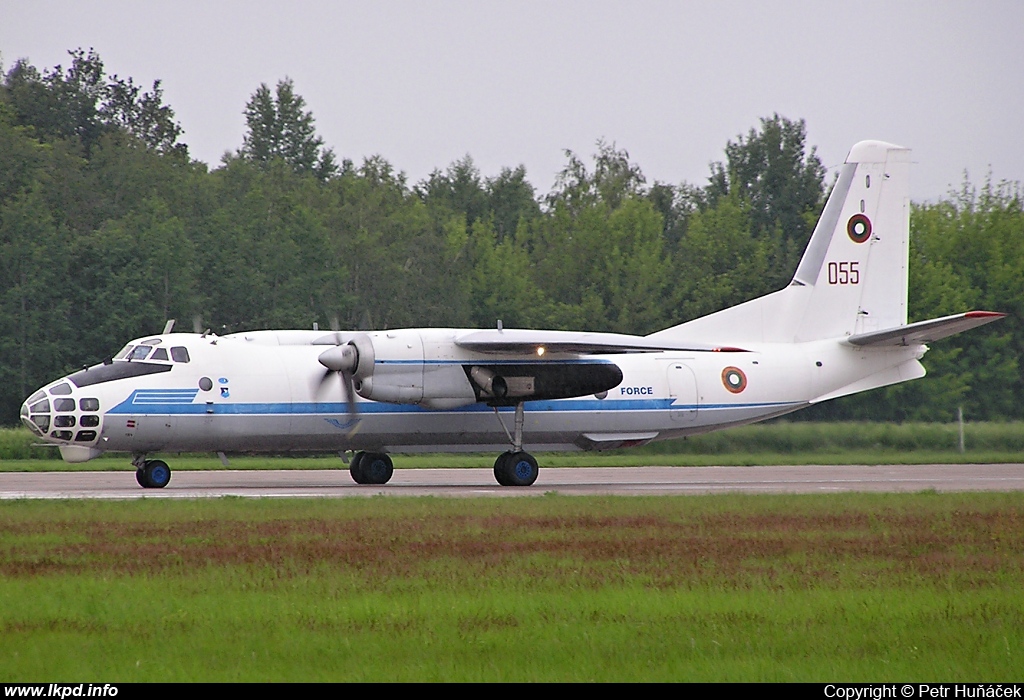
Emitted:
<point x="108" y="228"/>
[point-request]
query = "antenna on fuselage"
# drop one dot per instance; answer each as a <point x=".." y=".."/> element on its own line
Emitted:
<point x="168" y="327"/>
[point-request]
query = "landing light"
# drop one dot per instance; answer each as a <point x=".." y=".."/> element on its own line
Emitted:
<point x="540" y="351"/>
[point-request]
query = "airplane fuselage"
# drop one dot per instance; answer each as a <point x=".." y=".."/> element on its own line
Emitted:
<point x="266" y="392"/>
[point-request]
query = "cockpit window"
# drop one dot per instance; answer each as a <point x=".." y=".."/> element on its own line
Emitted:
<point x="179" y="354"/>
<point x="139" y="353"/>
<point x="151" y="341"/>
<point x="117" y="370"/>
<point x="159" y="354"/>
<point x="36" y="396"/>
<point x="64" y="405"/>
<point x="124" y="352"/>
<point x="61" y="390"/>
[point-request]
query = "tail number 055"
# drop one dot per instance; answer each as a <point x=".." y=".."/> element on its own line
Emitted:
<point x="843" y="272"/>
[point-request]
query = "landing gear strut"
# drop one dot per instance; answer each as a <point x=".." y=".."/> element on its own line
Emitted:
<point x="515" y="467"/>
<point x="151" y="473"/>
<point x="371" y="468"/>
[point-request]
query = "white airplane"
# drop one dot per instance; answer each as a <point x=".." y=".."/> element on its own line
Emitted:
<point x="840" y="327"/>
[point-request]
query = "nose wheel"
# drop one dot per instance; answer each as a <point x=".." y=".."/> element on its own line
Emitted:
<point x="152" y="473"/>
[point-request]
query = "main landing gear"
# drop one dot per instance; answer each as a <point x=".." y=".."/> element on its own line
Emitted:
<point x="515" y="467"/>
<point x="371" y="468"/>
<point x="512" y="468"/>
<point x="151" y="473"/>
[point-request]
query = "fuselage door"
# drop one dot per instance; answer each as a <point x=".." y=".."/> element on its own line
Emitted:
<point x="682" y="389"/>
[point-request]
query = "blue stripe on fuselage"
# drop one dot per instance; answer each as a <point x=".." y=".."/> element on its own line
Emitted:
<point x="128" y="407"/>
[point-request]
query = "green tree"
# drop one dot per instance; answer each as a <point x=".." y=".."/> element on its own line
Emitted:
<point x="511" y="200"/>
<point x="501" y="285"/>
<point x="598" y="250"/>
<point x="84" y="104"/>
<point x="279" y="126"/>
<point x="719" y="263"/>
<point x="459" y="188"/>
<point x="36" y="319"/>
<point x="782" y="183"/>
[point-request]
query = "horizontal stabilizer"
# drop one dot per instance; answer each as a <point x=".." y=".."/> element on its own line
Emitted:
<point x="530" y="342"/>
<point x="925" y="331"/>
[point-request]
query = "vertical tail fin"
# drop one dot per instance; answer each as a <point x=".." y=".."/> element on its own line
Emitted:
<point x="856" y="260"/>
<point x="852" y="277"/>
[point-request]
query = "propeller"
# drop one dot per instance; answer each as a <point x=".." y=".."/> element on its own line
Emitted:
<point x="342" y="360"/>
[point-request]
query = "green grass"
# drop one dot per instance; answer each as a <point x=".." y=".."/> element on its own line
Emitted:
<point x="852" y="587"/>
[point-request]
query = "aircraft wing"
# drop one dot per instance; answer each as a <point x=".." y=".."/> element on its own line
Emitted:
<point x="925" y="331"/>
<point x="530" y="342"/>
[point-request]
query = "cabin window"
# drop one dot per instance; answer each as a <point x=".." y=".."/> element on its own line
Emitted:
<point x="179" y="354"/>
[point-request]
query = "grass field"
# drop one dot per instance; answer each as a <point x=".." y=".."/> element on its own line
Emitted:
<point x="851" y="587"/>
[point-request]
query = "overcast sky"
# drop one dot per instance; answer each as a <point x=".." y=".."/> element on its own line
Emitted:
<point x="425" y="83"/>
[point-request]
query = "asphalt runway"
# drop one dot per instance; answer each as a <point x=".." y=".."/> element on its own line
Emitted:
<point x="633" y="481"/>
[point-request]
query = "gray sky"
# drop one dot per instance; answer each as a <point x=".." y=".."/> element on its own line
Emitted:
<point x="424" y="83"/>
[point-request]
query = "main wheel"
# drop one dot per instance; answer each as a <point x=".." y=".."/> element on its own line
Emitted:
<point x="140" y="476"/>
<point x="500" y="470"/>
<point x="516" y="469"/>
<point x="377" y="468"/>
<point x="355" y="468"/>
<point x="155" y="474"/>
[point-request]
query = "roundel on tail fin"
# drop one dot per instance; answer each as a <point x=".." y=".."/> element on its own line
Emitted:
<point x="858" y="228"/>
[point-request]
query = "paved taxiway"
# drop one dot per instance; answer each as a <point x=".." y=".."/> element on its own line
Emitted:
<point x="480" y="482"/>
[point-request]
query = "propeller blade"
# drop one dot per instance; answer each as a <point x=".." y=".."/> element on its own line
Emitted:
<point x="350" y="395"/>
<point x="343" y="361"/>
<point x="318" y="389"/>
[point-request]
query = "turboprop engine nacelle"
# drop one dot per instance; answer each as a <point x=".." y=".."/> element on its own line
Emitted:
<point x="411" y="367"/>
<point x="427" y="367"/>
